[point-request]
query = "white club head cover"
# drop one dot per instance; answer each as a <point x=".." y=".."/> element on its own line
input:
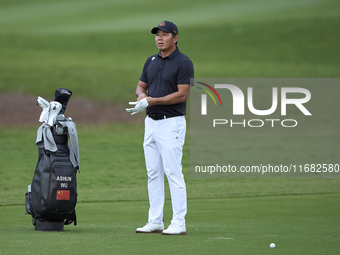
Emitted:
<point x="139" y="106"/>
<point x="55" y="108"/>
<point x="46" y="109"/>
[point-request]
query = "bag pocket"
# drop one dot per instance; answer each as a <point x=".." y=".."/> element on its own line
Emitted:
<point x="63" y="186"/>
<point x="28" y="203"/>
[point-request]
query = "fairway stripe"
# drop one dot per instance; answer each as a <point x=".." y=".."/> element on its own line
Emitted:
<point x="58" y="18"/>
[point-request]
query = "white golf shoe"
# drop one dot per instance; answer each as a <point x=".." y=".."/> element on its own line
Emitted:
<point x="151" y="228"/>
<point x="175" y="229"/>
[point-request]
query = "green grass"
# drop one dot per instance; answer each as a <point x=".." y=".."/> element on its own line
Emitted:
<point x="97" y="49"/>
<point x="112" y="168"/>
<point x="296" y="214"/>
<point x="303" y="224"/>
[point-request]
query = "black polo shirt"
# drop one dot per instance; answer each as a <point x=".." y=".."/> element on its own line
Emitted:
<point x="162" y="76"/>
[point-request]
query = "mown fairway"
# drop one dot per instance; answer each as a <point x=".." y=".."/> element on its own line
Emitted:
<point x="97" y="49"/>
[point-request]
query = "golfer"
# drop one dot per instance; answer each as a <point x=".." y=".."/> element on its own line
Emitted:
<point x="163" y="90"/>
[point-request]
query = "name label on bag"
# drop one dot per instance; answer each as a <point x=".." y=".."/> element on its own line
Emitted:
<point x="64" y="178"/>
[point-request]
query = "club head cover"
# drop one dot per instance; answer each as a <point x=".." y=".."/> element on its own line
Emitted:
<point x="62" y="96"/>
<point x="46" y="109"/>
<point x="55" y="108"/>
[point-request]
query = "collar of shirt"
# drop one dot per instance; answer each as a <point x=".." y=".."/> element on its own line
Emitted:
<point x="172" y="55"/>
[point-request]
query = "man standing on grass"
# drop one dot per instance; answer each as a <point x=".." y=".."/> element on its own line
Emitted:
<point x="163" y="89"/>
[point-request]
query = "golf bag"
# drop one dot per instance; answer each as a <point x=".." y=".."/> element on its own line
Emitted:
<point x="52" y="196"/>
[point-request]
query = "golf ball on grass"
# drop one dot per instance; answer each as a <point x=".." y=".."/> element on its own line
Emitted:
<point x="272" y="245"/>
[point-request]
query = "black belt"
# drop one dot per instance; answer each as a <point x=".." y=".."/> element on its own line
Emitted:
<point x="160" y="116"/>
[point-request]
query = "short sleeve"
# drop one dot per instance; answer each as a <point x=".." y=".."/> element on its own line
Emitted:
<point x="186" y="71"/>
<point x="144" y="76"/>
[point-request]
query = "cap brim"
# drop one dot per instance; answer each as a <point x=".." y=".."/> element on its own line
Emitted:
<point x="155" y="30"/>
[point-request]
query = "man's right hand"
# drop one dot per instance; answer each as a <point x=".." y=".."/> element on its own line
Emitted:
<point x="139" y="106"/>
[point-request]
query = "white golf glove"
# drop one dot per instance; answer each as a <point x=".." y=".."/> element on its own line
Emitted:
<point x="139" y="106"/>
<point x="46" y="109"/>
<point x="55" y="108"/>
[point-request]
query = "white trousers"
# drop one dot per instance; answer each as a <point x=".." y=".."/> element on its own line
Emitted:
<point x="163" y="150"/>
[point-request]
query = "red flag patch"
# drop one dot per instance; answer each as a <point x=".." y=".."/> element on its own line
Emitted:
<point x="63" y="195"/>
